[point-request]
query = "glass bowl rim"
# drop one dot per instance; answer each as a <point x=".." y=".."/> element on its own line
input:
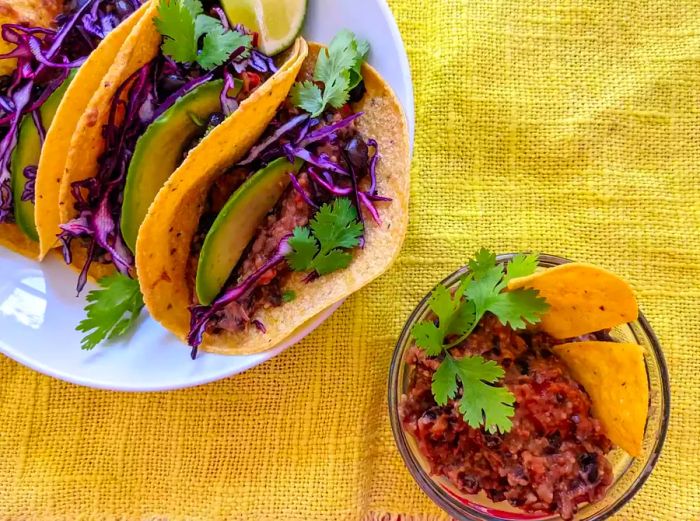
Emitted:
<point x="427" y="483"/>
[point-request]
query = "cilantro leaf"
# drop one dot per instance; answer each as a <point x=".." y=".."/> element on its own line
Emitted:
<point x="458" y="314"/>
<point x="320" y="246"/>
<point x="193" y="6"/>
<point x="462" y="320"/>
<point x="339" y="68"/>
<point x="304" y="249"/>
<point x="331" y="261"/>
<point x="111" y="311"/>
<point x="219" y="44"/>
<point x="176" y="22"/>
<point x="444" y="384"/>
<point x="182" y="24"/>
<point x="354" y="51"/>
<point x="289" y="295"/>
<point x="336" y="225"/>
<point x="518" y="307"/>
<point x="337" y="93"/>
<point x="483" y="262"/>
<point x="428" y="337"/>
<point x="520" y="266"/>
<point x="481" y="403"/>
<point x="308" y="96"/>
<point x="204" y="24"/>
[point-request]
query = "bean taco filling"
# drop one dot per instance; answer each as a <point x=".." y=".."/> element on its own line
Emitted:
<point x="513" y="392"/>
<point x="553" y="457"/>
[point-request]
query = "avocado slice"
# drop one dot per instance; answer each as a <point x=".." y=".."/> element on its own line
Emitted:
<point x="27" y="153"/>
<point x="159" y="150"/>
<point x="236" y="224"/>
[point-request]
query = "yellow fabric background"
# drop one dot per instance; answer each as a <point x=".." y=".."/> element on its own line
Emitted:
<point x="564" y="126"/>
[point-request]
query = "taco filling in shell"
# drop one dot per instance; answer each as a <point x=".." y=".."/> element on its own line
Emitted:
<point x="341" y="163"/>
<point x="46" y="48"/>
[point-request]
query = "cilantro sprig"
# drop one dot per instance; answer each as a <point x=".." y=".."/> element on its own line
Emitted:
<point x="183" y="24"/>
<point x="483" y="290"/>
<point x="322" y="246"/>
<point x="338" y="68"/>
<point x="111" y="311"/>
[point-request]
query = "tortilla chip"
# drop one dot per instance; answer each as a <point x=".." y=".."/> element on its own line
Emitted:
<point x="163" y="248"/>
<point x="582" y="299"/>
<point x="615" y="377"/>
<point x="54" y="152"/>
<point x="32" y="13"/>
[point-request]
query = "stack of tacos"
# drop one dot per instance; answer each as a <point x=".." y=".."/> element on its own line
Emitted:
<point x="49" y="73"/>
<point x="245" y="193"/>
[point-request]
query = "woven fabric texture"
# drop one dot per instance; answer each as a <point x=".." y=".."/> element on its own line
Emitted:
<point x="569" y="127"/>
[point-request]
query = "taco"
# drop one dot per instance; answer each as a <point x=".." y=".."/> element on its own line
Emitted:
<point x="179" y="76"/>
<point x="56" y="60"/>
<point x="247" y="242"/>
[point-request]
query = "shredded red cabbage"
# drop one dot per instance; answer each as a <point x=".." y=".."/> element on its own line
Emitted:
<point x="229" y="103"/>
<point x="321" y="161"/>
<point x="257" y="150"/>
<point x="300" y="190"/>
<point x="28" y="194"/>
<point x="328" y="131"/>
<point x="99" y="199"/>
<point x="328" y="184"/>
<point x="201" y="315"/>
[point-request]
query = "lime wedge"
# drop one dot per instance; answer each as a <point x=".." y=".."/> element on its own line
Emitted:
<point x="278" y="22"/>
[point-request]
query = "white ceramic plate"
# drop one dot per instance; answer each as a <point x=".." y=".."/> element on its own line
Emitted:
<point x="39" y="309"/>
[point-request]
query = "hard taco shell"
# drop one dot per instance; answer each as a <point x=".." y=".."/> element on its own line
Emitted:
<point x="55" y="150"/>
<point x="164" y="243"/>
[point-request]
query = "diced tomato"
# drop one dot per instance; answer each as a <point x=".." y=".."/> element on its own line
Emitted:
<point x="251" y="81"/>
<point x="267" y="277"/>
<point x="346" y="110"/>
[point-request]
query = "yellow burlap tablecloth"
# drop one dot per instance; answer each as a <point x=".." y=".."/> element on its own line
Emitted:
<point x="565" y="126"/>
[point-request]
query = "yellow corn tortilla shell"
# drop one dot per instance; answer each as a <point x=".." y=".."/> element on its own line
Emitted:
<point x="87" y="143"/>
<point x="33" y="13"/>
<point x="58" y="138"/>
<point x="615" y="377"/>
<point x="12" y="238"/>
<point x="582" y="299"/>
<point x="163" y="247"/>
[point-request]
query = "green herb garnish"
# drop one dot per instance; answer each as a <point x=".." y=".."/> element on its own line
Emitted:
<point x="183" y="23"/>
<point x="111" y="311"/>
<point x="322" y="246"/>
<point x="458" y="314"/>
<point x="289" y="295"/>
<point x="339" y="69"/>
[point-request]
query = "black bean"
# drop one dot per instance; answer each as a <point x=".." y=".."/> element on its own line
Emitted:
<point x="358" y="92"/>
<point x="554" y="440"/>
<point x="492" y="441"/>
<point x="358" y="154"/>
<point x="523" y="365"/>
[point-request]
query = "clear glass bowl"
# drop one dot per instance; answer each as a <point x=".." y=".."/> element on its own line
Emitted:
<point x="629" y="474"/>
